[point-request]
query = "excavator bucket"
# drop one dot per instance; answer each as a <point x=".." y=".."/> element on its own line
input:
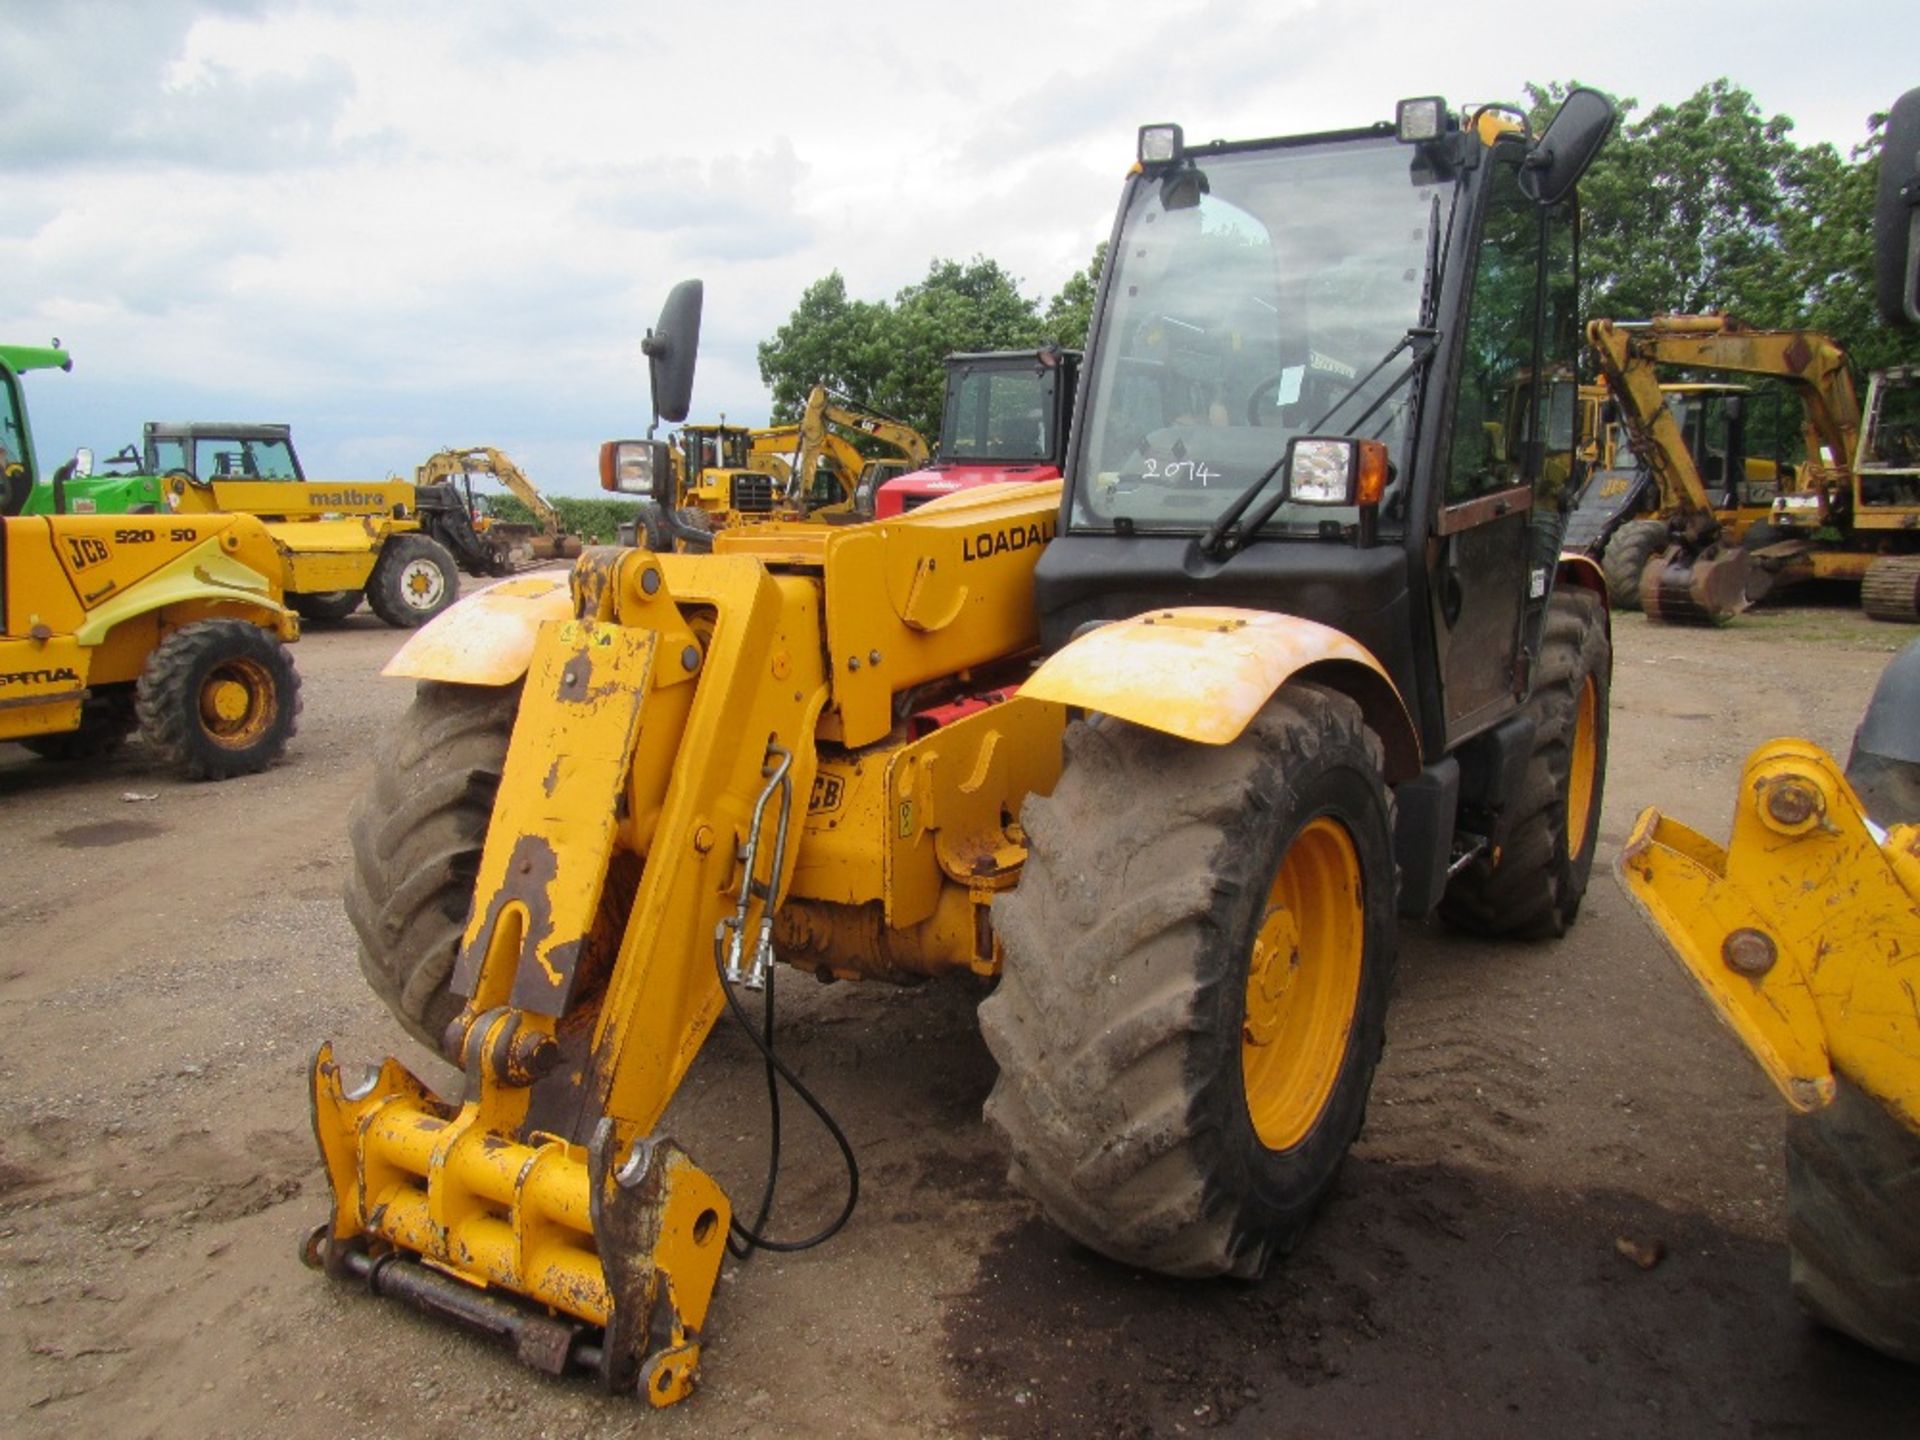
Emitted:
<point x="1708" y="587"/>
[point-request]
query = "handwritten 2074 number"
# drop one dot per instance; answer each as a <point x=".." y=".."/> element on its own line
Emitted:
<point x="1179" y="472"/>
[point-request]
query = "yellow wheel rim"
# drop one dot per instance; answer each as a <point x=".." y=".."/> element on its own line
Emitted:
<point x="1303" y="983"/>
<point x="237" y="703"/>
<point x="1583" y="766"/>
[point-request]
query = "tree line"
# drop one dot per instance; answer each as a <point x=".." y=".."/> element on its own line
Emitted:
<point x="1704" y="205"/>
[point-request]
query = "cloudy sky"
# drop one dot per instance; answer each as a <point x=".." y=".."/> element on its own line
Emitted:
<point x="403" y="226"/>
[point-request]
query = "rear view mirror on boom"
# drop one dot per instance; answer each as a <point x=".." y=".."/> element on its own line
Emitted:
<point x="671" y="347"/>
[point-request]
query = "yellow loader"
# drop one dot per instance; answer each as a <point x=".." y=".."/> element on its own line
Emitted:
<point x="174" y="625"/>
<point x="1166" y="746"/>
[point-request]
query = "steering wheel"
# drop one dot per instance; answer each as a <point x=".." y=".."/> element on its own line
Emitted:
<point x="15" y="488"/>
<point x="1268" y="386"/>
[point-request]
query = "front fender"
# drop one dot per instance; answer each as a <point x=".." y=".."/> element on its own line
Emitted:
<point x="1582" y="572"/>
<point x="206" y="580"/>
<point x="486" y="639"/>
<point x="1203" y="672"/>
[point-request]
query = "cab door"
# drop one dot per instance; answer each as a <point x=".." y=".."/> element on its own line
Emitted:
<point x="1510" y="457"/>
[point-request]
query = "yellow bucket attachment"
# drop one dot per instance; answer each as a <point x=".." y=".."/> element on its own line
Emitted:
<point x="1804" y="932"/>
<point x="491" y="1210"/>
<point x="581" y="1257"/>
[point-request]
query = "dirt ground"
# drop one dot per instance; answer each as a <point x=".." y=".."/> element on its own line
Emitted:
<point x="171" y="954"/>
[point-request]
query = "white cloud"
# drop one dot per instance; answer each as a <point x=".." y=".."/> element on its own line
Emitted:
<point x="403" y="226"/>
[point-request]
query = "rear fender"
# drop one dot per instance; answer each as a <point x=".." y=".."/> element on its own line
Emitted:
<point x="1203" y="672"/>
<point x="488" y="638"/>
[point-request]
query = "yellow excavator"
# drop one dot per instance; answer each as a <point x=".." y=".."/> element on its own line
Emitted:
<point x="510" y="544"/>
<point x="1165" y="746"/>
<point x="1803" y="933"/>
<point x="717" y="477"/>
<point x="1851" y="511"/>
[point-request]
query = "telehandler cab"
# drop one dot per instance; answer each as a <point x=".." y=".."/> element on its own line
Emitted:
<point x="1310" y="663"/>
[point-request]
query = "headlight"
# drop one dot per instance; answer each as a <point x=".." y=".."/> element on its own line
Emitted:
<point x="1328" y="470"/>
<point x="637" y="467"/>
<point x="1322" y="472"/>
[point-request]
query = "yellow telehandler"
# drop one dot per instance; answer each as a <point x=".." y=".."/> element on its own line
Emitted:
<point x="172" y="625"/>
<point x="1166" y="746"/>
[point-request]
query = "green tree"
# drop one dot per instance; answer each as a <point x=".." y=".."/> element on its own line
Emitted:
<point x="1709" y="206"/>
<point x="1070" y="313"/>
<point x="976" y="306"/>
<point x="828" y="339"/>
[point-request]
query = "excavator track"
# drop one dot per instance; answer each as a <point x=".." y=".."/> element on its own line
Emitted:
<point x="1890" y="589"/>
<point x="1708" y="588"/>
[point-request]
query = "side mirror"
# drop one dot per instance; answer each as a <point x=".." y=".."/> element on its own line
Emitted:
<point x="671" y="347"/>
<point x="638" y="467"/>
<point x="83" y="461"/>
<point x="1896" y="215"/>
<point x="1561" y="156"/>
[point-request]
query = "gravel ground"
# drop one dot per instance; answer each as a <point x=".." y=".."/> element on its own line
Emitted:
<point x="168" y="964"/>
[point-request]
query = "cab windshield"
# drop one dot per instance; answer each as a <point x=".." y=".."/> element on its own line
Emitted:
<point x="1249" y="298"/>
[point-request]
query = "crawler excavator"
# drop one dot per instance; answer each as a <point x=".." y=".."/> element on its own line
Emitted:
<point x="508" y="544"/>
<point x="1851" y="512"/>
<point x="1164" y="746"/>
<point x="1803" y="933"/>
<point x="717" y="477"/>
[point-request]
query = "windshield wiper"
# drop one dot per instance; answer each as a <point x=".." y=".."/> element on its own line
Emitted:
<point x="1421" y="339"/>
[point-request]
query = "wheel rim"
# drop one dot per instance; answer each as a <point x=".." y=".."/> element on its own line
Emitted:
<point x="1582" y="768"/>
<point x="238" y="703"/>
<point x="422" y="584"/>
<point x="1303" y="983"/>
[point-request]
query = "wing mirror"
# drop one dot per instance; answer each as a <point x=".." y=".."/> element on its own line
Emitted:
<point x="671" y="347"/>
<point x="1896" y="215"/>
<point x="1573" y="137"/>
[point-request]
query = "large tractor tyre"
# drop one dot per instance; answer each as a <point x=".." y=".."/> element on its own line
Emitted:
<point x="1625" y="559"/>
<point x="219" y="698"/>
<point x="1197" y="964"/>
<point x="1853" y="1188"/>
<point x="1531" y="887"/>
<point x="106" y="719"/>
<point x="416" y="831"/>
<point x="327" y="607"/>
<point x="414" y="579"/>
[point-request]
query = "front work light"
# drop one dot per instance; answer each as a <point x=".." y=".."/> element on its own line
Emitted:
<point x="637" y="467"/>
<point x="1160" y="144"/>
<point x="1422" y="119"/>
<point x="1328" y="470"/>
